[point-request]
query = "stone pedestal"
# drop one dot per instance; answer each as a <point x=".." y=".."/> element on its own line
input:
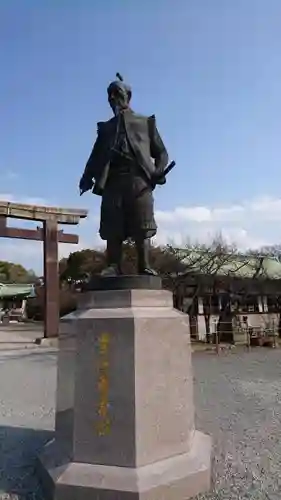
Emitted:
<point x="125" y="415"/>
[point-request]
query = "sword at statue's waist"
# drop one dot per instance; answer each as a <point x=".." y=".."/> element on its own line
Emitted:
<point x="166" y="170"/>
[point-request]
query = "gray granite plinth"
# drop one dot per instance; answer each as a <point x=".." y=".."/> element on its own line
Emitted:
<point x="125" y="414"/>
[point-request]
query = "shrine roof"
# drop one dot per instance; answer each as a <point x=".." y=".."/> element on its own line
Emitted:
<point x="16" y="290"/>
<point x="42" y="213"/>
<point x="239" y="265"/>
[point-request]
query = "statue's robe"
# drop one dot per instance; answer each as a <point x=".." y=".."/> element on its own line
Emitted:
<point x="126" y="163"/>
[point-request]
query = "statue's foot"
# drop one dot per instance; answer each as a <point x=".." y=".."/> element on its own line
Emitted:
<point x="111" y="271"/>
<point x="147" y="271"/>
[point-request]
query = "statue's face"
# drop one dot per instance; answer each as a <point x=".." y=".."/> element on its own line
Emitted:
<point x="113" y="102"/>
<point x="117" y="98"/>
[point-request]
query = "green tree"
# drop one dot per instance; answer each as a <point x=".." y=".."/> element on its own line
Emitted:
<point x="15" y="273"/>
<point x="79" y="265"/>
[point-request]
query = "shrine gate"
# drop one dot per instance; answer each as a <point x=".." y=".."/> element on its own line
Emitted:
<point x="51" y="217"/>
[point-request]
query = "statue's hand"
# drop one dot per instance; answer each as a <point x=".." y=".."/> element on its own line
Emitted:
<point x="85" y="185"/>
<point x="158" y="181"/>
<point x="161" y="181"/>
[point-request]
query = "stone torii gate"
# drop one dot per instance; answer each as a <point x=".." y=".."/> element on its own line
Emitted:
<point x="51" y="217"/>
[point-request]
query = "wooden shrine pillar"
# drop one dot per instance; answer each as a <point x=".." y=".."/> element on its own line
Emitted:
<point x="51" y="278"/>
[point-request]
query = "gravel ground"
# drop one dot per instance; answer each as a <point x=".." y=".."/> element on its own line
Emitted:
<point x="238" y="401"/>
<point x="238" y="398"/>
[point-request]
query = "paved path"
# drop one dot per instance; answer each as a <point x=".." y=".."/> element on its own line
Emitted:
<point x="238" y="399"/>
<point x="19" y="335"/>
<point x="27" y="392"/>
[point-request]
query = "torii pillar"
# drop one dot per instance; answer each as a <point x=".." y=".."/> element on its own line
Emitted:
<point x="51" y="217"/>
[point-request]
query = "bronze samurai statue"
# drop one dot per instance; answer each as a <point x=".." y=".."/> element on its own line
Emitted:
<point x="127" y="161"/>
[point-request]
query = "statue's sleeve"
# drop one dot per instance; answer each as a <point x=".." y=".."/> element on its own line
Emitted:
<point x="93" y="163"/>
<point x="157" y="148"/>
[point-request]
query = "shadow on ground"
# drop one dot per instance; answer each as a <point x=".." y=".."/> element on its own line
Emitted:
<point x="18" y="449"/>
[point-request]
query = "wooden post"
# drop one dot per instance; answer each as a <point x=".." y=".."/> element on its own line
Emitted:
<point x="217" y="341"/>
<point x="3" y="221"/>
<point x="51" y="276"/>
<point x="248" y="338"/>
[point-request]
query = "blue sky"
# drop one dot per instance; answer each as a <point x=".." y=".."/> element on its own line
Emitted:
<point x="209" y="69"/>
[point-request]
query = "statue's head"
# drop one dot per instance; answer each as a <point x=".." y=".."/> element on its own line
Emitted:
<point x="119" y="95"/>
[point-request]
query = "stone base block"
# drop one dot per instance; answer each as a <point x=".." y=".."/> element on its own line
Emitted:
<point x="47" y="342"/>
<point x="177" y="478"/>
